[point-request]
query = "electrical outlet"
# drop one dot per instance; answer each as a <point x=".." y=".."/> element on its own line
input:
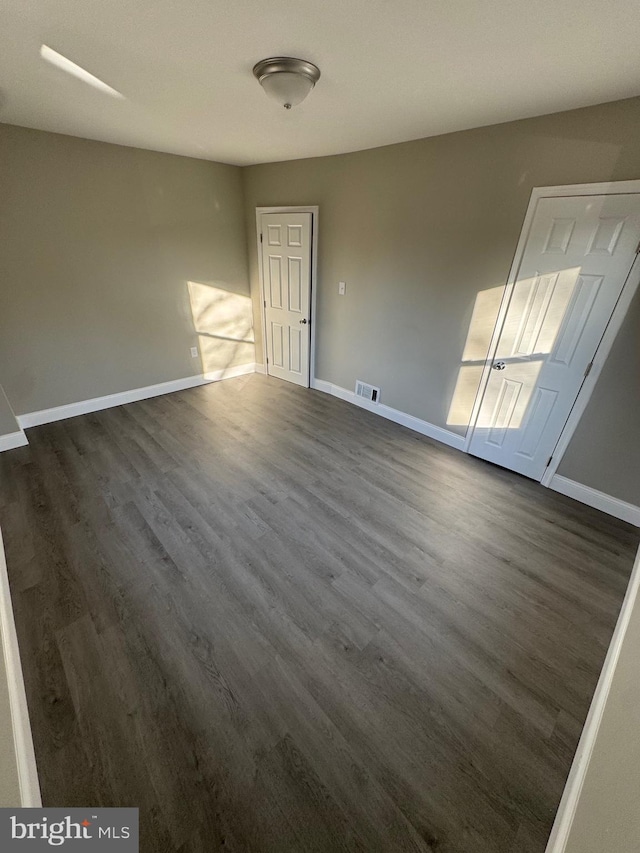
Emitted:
<point x="342" y="288"/>
<point x="194" y="352"/>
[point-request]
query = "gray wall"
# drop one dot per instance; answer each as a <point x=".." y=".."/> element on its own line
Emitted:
<point x="8" y="422"/>
<point x="607" y="817"/>
<point x="605" y="450"/>
<point x="418" y="230"/>
<point x="9" y="784"/>
<point x="9" y="779"/>
<point x="99" y="243"/>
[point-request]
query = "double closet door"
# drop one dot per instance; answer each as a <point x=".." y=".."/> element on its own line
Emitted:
<point x="577" y="257"/>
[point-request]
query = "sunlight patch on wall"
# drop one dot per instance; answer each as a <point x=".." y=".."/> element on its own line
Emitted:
<point x="223" y="321"/>
<point x="483" y="320"/>
<point x="464" y="394"/>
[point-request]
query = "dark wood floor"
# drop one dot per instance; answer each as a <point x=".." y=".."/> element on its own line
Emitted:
<point x="276" y="622"/>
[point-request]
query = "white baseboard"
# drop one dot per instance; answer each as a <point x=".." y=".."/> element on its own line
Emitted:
<point x="260" y="368"/>
<point x="96" y="404"/>
<point x="416" y="424"/>
<point x="569" y="803"/>
<point x="29" y="787"/>
<point x="13" y="439"/>
<point x="599" y="500"/>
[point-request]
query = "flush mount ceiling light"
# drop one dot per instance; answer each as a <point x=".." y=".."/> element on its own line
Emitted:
<point x="288" y="81"/>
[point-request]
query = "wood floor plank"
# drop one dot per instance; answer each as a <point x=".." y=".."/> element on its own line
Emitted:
<point x="276" y="622"/>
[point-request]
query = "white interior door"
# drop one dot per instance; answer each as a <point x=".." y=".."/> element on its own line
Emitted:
<point x="577" y="257"/>
<point x="286" y="276"/>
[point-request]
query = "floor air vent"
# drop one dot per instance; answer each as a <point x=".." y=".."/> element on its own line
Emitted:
<point x="367" y="392"/>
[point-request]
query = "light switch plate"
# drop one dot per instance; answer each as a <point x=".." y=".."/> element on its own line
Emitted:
<point x="194" y="352"/>
<point x="342" y="288"/>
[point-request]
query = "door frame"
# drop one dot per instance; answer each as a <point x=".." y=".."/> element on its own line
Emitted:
<point x="606" y="342"/>
<point x="314" y="211"/>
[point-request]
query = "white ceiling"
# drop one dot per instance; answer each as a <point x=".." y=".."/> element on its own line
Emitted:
<point x="392" y="70"/>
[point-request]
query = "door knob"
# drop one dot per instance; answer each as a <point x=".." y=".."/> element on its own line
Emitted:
<point x="499" y="365"/>
<point x="303" y="321"/>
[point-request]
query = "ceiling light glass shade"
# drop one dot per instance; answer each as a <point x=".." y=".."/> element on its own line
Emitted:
<point x="288" y="81"/>
<point x="286" y="88"/>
